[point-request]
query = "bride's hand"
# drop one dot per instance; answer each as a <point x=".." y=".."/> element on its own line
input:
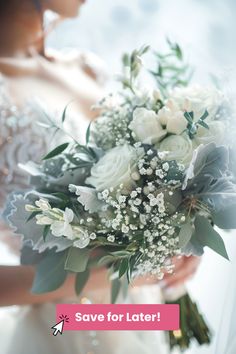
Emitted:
<point x="185" y="268"/>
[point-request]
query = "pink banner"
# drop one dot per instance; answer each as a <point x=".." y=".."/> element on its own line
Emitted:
<point x="83" y="317"/>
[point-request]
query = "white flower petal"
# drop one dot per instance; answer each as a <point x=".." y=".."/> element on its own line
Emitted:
<point x="57" y="228"/>
<point x="68" y="215"/>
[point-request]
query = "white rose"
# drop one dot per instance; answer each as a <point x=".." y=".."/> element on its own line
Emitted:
<point x="177" y="147"/>
<point x="173" y="119"/>
<point x="196" y="99"/>
<point x="114" y="168"/>
<point x="146" y="126"/>
<point x="215" y="133"/>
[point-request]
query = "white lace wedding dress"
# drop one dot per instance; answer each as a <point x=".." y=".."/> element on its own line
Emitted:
<point x="27" y="329"/>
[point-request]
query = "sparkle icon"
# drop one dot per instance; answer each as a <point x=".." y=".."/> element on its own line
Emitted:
<point x="58" y="327"/>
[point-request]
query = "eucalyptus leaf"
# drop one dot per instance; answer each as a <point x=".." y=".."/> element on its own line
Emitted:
<point x="88" y="133"/>
<point x="120" y="253"/>
<point x="207" y="236"/>
<point x="115" y="289"/>
<point x="185" y="234"/>
<point x="81" y="280"/>
<point x="226" y="217"/>
<point x="125" y="287"/>
<point x="106" y="260"/>
<point x="57" y="151"/>
<point x="77" y="259"/>
<point x="124" y="265"/>
<point x="64" y="112"/>
<point x="50" y="273"/>
<point x="46" y="231"/>
<point x="32" y="215"/>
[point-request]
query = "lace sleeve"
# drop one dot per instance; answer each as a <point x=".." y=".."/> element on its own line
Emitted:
<point x="21" y="140"/>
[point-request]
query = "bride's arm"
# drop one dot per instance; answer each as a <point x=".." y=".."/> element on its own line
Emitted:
<point x="16" y="282"/>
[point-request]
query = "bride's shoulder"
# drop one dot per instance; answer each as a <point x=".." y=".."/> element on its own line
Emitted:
<point x="86" y="60"/>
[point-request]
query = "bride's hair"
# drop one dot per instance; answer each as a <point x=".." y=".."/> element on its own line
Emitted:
<point x="21" y="25"/>
<point x="12" y="7"/>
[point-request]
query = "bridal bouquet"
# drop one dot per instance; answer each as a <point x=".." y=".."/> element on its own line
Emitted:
<point x="151" y="182"/>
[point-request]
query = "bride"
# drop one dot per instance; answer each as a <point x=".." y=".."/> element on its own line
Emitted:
<point x="28" y="70"/>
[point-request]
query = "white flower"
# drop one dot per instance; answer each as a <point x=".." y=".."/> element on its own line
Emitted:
<point x="146" y="126"/>
<point x="82" y="237"/>
<point x="82" y="242"/>
<point x="42" y="219"/>
<point x="92" y="236"/>
<point x="196" y="99"/>
<point x="114" y="168"/>
<point x="111" y="238"/>
<point x="173" y="119"/>
<point x="177" y="147"/>
<point x="187" y="99"/>
<point x="215" y="133"/>
<point x="62" y="227"/>
<point x="43" y="204"/>
<point x="29" y="207"/>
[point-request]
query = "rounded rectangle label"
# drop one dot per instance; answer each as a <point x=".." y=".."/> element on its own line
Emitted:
<point x="103" y="317"/>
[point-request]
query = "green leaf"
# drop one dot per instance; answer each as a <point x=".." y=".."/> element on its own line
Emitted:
<point x="50" y="273"/>
<point x="121" y="253"/>
<point x="115" y="289"/>
<point x="125" y="287"/>
<point x="205" y="115"/>
<point x="88" y="133"/>
<point x="61" y="196"/>
<point x="81" y="280"/>
<point x="33" y="214"/>
<point x="106" y="260"/>
<point x="77" y="259"/>
<point x="124" y="265"/>
<point x="64" y="113"/>
<point x="46" y="231"/>
<point x="203" y="124"/>
<point x="178" y="52"/>
<point x="126" y="60"/>
<point x="144" y="49"/>
<point x="185" y="234"/>
<point x="226" y="218"/>
<point x="207" y="236"/>
<point x="58" y="150"/>
<point x="189" y="117"/>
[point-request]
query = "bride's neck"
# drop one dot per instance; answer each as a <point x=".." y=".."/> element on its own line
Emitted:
<point x="21" y="35"/>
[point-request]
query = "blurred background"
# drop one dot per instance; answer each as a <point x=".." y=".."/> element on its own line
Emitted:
<point x="206" y="31"/>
